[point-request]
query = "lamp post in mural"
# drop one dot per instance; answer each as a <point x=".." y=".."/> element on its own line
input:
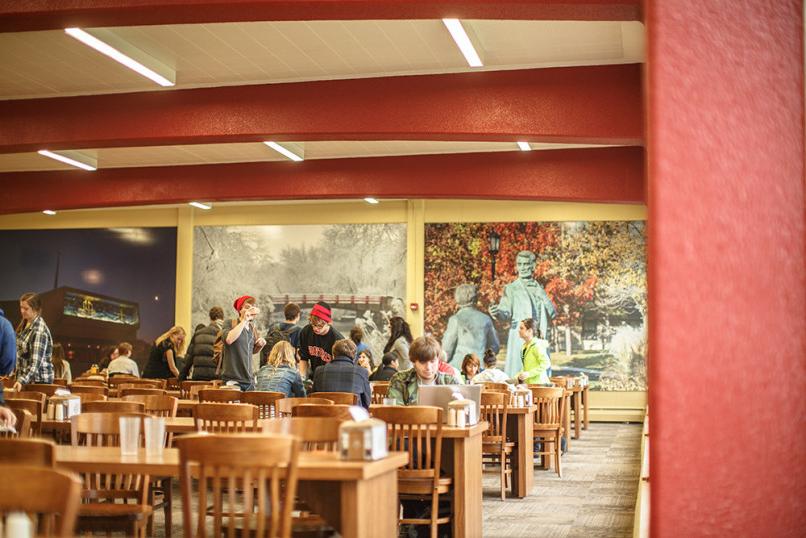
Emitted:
<point x="495" y="244"/>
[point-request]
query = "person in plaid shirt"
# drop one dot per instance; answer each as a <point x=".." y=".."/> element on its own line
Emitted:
<point x="34" y="344"/>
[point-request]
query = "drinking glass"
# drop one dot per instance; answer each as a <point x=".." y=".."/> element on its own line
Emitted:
<point x="155" y="435"/>
<point x="129" y="435"/>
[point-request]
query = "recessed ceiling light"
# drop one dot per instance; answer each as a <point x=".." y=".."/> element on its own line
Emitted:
<point x="49" y="212"/>
<point x="284" y="151"/>
<point x="115" y="54"/>
<point x="66" y="160"/>
<point x="371" y="200"/>
<point x="524" y="146"/>
<point x="201" y="205"/>
<point x="459" y="35"/>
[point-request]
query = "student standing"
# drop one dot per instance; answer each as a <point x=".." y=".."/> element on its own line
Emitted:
<point x="34" y="344"/>
<point x="240" y="343"/>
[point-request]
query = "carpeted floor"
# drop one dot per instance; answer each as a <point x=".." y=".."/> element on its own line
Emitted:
<point x="594" y="498"/>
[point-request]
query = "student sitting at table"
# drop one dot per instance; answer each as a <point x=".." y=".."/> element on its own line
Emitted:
<point x="424" y="354"/>
<point x="470" y="367"/>
<point x="279" y="372"/>
<point x="123" y="364"/>
<point x="386" y="369"/>
<point x="343" y="375"/>
<point x="491" y="374"/>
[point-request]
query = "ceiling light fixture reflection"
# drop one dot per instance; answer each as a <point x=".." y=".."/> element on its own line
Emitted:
<point x="371" y="200"/>
<point x="462" y="40"/>
<point x="201" y="205"/>
<point x="524" y="146"/>
<point x="284" y="151"/>
<point x="49" y="212"/>
<point x="115" y="54"/>
<point x="66" y="160"/>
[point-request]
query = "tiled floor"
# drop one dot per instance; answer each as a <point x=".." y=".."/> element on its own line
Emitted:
<point x="595" y="497"/>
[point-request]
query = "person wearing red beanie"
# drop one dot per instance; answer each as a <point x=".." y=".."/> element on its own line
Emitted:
<point x="316" y="339"/>
<point x="240" y="343"/>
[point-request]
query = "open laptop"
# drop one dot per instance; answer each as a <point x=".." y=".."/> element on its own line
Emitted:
<point x="441" y="395"/>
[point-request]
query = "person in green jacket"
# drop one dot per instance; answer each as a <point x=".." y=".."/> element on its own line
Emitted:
<point x="535" y="361"/>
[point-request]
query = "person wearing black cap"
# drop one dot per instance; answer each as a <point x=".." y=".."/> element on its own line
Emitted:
<point x="316" y="339"/>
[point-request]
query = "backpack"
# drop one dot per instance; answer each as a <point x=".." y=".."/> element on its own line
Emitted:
<point x="274" y="336"/>
<point x="218" y="348"/>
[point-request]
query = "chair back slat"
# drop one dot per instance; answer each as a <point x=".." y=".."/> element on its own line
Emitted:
<point x="128" y="389"/>
<point x="225" y="464"/>
<point x="285" y="405"/>
<point x="49" y="389"/>
<point x="337" y="412"/>
<point x="155" y="404"/>
<point x="113" y="407"/>
<point x="226" y="418"/>
<point x="265" y="401"/>
<point x="315" y="433"/>
<point x="77" y="388"/>
<point x="219" y="395"/>
<point x="343" y="398"/>
<point x="185" y="386"/>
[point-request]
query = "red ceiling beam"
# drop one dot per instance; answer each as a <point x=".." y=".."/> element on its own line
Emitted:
<point x="599" y="104"/>
<point x="26" y="15"/>
<point x="579" y="175"/>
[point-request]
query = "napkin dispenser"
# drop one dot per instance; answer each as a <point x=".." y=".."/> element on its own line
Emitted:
<point x="522" y="397"/>
<point x="63" y="406"/>
<point x="363" y="440"/>
<point x="462" y="413"/>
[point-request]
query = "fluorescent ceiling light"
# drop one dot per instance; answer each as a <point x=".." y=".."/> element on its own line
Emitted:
<point x="66" y="160"/>
<point x="459" y="35"/>
<point x="49" y="212"/>
<point x="371" y="200"/>
<point x="524" y="146"/>
<point x="283" y="151"/>
<point x="115" y="54"/>
<point x="201" y="205"/>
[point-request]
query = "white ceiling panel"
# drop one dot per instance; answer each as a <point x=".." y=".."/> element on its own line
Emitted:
<point x="48" y="64"/>
<point x="255" y="152"/>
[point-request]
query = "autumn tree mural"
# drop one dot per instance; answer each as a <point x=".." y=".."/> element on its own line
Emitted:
<point x="594" y="273"/>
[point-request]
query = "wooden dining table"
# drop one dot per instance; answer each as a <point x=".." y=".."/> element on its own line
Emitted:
<point x="520" y="430"/>
<point x="358" y="498"/>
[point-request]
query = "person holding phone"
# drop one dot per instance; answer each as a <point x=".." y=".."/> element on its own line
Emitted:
<point x="240" y="343"/>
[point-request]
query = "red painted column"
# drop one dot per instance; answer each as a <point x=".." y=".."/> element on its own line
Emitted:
<point x="727" y="268"/>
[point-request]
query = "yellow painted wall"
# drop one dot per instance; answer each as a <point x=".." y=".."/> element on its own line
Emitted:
<point x="415" y="213"/>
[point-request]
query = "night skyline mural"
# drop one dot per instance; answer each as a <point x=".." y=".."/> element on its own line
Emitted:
<point x="136" y="265"/>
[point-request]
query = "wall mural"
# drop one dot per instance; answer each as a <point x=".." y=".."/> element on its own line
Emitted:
<point x="99" y="287"/>
<point x="583" y="282"/>
<point x="360" y="269"/>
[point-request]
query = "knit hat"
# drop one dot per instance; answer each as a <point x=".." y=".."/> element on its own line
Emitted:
<point x="238" y="304"/>
<point x="322" y="311"/>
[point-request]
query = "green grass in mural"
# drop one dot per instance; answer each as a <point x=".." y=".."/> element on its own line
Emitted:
<point x="594" y="360"/>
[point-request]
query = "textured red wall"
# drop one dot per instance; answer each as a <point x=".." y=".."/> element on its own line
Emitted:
<point x="726" y="268"/>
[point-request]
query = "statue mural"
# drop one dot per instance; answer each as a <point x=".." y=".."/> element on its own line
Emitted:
<point x="469" y="330"/>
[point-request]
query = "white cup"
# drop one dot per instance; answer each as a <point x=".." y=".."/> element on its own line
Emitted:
<point x="129" y="435"/>
<point x="155" y="435"/>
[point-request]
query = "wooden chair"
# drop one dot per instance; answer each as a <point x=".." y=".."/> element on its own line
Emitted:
<point x="185" y="386"/>
<point x="49" y="389"/>
<point x="40" y="397"/>
<point x="418" y="431"/>
<point x="266" y="402"/>
<point x="119" y="379"/>
<point x="8" y="382"/>
<point x="195" y="389"/>
<point x="41" y="452"/>
<point x="43" y="491"/>
<point x="548" y="427"/>
<point x="494" y="409"/>
<point x="491" y="385"/>
<point x="128" y="390"/>
<point x="100" y="512"/>
<point x="159" y="406"/>
<point x="23" y="427"/>
<point x="172" y="383"/>
<point x="225" y="418"/>
<point x="90" y="397"/>
<point x="285" y="405"/>
<point x="62" y="382"/>
<point x="219" y="395"/>
<point x="32" y="406"/>
<point x="219" y="461"/>
<point x="147" y="383"/>
<point x="343" y="398"/>
<point x="340" y="412"/>
<point x="315" y="433"/>
<point x="88" y="383"/>
<point x="113" y="407"/>
<point x="379" y="392"/>
<point x="89" y="389"/>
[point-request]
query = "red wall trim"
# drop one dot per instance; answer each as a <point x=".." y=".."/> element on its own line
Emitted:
<point x="727" y="252"/>
<point x="580" y="175"/>
<point x="21" y="15"/>
<point x="579" y="104"/>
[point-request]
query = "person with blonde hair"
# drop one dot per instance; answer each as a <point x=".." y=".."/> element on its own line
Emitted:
<point x="279" y="372"/>
<point x="162" y="358"/>
<point x="34" y="344"/>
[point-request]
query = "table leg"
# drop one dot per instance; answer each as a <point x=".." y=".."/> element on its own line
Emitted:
<point x="520" y="432"/>
<point x="585" y="408"/>
<point x="577" y="412"/>
<point x="462" y="460"/>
